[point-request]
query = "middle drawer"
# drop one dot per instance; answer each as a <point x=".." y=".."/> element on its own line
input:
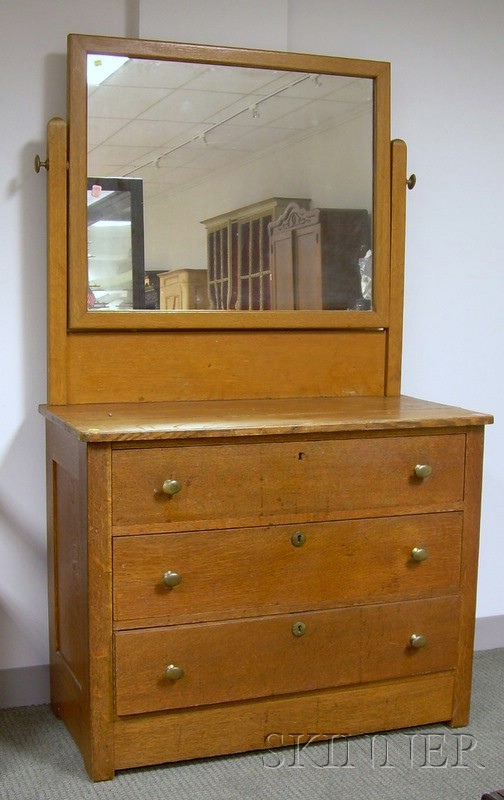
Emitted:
<point x="192" y="577"/>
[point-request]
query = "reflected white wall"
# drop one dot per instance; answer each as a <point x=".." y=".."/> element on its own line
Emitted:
<point x="332" y="170"/>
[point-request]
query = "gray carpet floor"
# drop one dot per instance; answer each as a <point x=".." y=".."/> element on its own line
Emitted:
<point x="39" y="761"/>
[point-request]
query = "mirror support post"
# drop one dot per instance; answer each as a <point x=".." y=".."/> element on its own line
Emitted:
<point x="397" y="249"/>
<point x="56" y="260"/>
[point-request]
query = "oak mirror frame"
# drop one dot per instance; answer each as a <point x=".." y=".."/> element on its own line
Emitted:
<point x="84" y="314"/>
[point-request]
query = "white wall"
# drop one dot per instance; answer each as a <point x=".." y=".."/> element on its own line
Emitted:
<point x="447" y="64"/>
<point x="33" y="89"/>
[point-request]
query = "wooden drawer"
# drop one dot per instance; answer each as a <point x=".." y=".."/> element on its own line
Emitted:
<point x="262" y="657"/>
<point x="261" y="481"/>
<point x="229" y="573"/>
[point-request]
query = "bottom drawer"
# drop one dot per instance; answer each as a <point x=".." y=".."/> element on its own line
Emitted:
<point x="262" y="657"/>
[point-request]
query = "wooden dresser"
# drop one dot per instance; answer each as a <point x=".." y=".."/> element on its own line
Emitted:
<point x="254" y="539"/>
<point x="262" y="567"/>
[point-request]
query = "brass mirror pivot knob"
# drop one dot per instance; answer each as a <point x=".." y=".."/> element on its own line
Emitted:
<point x="420" y="553"/>
<point x="174" y="672"/>
<point x="172" y="579"/>
<point x="171" y="486"/>
<point x="422" y="470"/>
<point x="38" y="163"/>
<point x="418" y="640"/>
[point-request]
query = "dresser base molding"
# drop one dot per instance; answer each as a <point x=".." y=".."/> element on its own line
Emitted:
<point x="266" y="724"/>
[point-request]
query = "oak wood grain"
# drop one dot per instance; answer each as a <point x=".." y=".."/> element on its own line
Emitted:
<point x="56" y="261"/>
<point x="282" y="478"/>
<point x="223" y="365"/>
<point x="261" y="657"/>
<point x="99" y="589"/>
<point x="468" y="576"/>
<point x="197" y="733"/>
<point x="397" y="247"/>
<point x="145" y="422"/>
<point x="254" y="571"/>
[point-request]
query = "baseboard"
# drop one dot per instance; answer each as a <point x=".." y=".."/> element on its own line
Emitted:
<point x="24" y="686"/>
<point x="489" y="633"/>
<point x="29" y="686"/>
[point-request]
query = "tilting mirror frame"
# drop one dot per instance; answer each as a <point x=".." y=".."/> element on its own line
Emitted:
<point x="82" y="318"/>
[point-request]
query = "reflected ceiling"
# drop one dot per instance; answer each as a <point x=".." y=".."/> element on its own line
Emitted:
<point x="173" y="124"/>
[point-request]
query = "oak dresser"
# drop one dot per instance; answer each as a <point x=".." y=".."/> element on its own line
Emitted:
<point x="254" y="538"/>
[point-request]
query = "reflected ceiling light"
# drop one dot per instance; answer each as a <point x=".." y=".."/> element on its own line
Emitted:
<point x="203" y="136"/>
<point x="110" y="223"/>
<point x="100" y="67"/>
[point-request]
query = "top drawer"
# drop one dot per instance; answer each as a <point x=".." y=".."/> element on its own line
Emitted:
<point x="253" y="482"/>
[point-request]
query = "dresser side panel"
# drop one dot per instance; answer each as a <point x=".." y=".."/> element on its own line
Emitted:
<point x="67" y="575"/>
<point x="468" y="574"/>
<point x="101" y="699"/>
<point x="79" y="556"/>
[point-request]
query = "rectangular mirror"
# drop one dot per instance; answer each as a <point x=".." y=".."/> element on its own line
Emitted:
<point x="264" y="180"/>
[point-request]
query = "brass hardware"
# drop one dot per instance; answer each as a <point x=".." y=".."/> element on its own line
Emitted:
<point x="172" y="579"/>
<point x="420" y="553"/>
<point x="299" y="629"/>
<point x="411" y="182"/>
<point x="38" y="163"/>
<point x="298" y="539"/>
<point x="418" y="640"/>
<point x="174" y="673"/>
<point x="423" y="470"/>
<point x="171" y="486"/>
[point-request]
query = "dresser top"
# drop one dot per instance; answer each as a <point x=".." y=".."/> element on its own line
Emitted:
<point x="205" y="419"/>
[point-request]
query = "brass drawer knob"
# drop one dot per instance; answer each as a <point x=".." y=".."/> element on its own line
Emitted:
<point x="420" y="553"/>
<point x="171" y="486"/>
<point x="174" y="672"/>
<point x="418" y="640"/>
<point x="422" y="470"/>
<point x="172" y="579"/>
<point x="299" y="629"/>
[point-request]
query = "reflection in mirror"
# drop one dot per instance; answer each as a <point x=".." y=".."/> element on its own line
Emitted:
<point x="257" y="185"/>
<point x="115" y="243"/>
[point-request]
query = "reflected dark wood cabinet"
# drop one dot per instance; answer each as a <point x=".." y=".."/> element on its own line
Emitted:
<point x="239" y="268"/>
<point x="315" y="258"/>
<point x="282" y="254"/>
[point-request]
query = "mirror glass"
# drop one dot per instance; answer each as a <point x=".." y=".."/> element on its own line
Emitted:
<point x="225" y="187"/>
